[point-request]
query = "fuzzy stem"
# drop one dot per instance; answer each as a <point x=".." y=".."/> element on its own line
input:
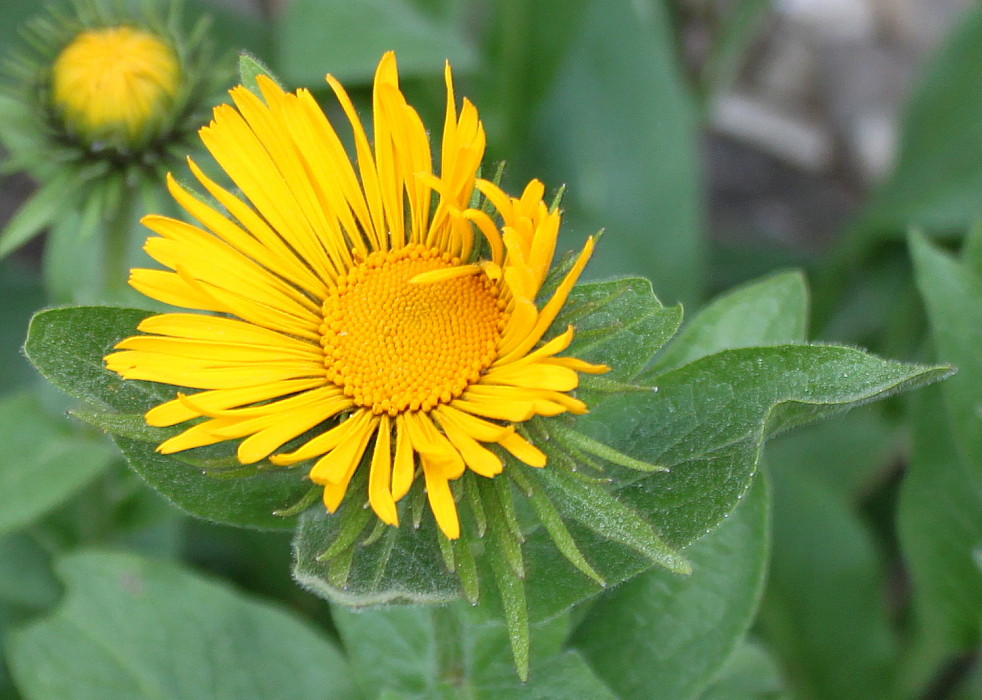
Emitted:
<point x="449" y="645"/>
<point x="117" y="244"/>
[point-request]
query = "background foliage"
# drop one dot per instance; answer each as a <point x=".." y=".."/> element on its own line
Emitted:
<point x="851" y="568"/>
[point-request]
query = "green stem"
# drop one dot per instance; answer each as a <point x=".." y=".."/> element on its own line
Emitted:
<point x="449" y="646"/>
<point x="115" y="269"/>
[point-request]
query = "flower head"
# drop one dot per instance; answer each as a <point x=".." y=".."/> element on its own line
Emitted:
<point x="101" y="102"/>
<point x="114" y="80"/>
<point x="366" y="315"/>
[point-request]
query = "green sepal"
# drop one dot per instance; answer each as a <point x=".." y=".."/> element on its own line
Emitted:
<point x="511" y="591"/>
<point x="600" y="511"/>
<point x="619" y="323"/>
<point x="553" y="523"/>
<point x="501" y="527"/>
<point x="250" y="68"/>
<point x="405" y="565"/>
<point x="575" y="441"/>
<point x="467" y="571"/>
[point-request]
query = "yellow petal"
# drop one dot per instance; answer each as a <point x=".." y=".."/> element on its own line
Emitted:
<point x="337" y="466"/>
<point x="404" y="467"/>
<point x="325" y="442"/>
<point x="380" y="476"/>
<point x="480" y="459"/>
<point x="441" y="499"/>
<point x="524" y="450"/>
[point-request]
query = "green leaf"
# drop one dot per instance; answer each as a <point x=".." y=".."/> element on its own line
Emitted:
<point x="241" y="500"/>
<point x="937" y="181"/>
<point x="42" y="461"/>
<point x="403" y="566"/>
<point x="952" y="292"/>
<point x="39" y="211"/>
<point x="619" y="127"/>
<point x="526" y="49"/>
<point x="771" y="311"/>
<point x="749" y="674"/>
<point x="137" y="628"/>
<point x="347" y="39"/>
<point x="707" y="421"/>
<point x="619" y="323"/>
<point x="22" y="295"/>
<point x="128" y="425"/>
<point x="74" y="257"/>
<point x="67" y="347"/>
<point x="660" y="630"/>
<point x="939" y="519"/>
<point x="824" y="612"/>
<point x="26" y="579"/>
<point x="457" y="651"/>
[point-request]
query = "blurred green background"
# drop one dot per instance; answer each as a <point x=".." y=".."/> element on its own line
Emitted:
<point x="714" y="142"/>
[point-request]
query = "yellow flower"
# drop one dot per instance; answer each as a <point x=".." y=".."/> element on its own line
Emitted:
<point x="357" y="301"/>
<point x="114" y="80"/>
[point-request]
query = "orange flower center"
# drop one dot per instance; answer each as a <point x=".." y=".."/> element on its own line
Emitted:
<point x="394" y="345"/>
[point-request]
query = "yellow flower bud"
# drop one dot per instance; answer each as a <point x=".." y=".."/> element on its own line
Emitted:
<point x="114" y="81"/>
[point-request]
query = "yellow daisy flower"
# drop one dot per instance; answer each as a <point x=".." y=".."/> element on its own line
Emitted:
<point x="365" y="302"/>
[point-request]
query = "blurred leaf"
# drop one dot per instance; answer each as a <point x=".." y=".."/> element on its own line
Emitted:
<point x="527" y="46"/>
<point x="672" y="633"/>
<point x="42" y="461"/>
<point x="233" y="29"/>
<point x="26" y="579"/>
<point x="939" y="519"/>
<point x="735" y="30"/>
<point x="22" y="295"/>
<point x="771" y="311"/>
<point x="15" y="13"/>
<point x="45" y="206"/>
<point x="846" y="452"/>
<point x="137" y="628"/>
<point x="937" y="181"/>
<point x="749" y="674"/>
<point x="619" y="128"/>
<point x="73" y="257"/>
<point x="824" y="608"/>
<point x="347" y="39"/>
<point x="952" y="292"/>
<point x="454" y="652"/>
